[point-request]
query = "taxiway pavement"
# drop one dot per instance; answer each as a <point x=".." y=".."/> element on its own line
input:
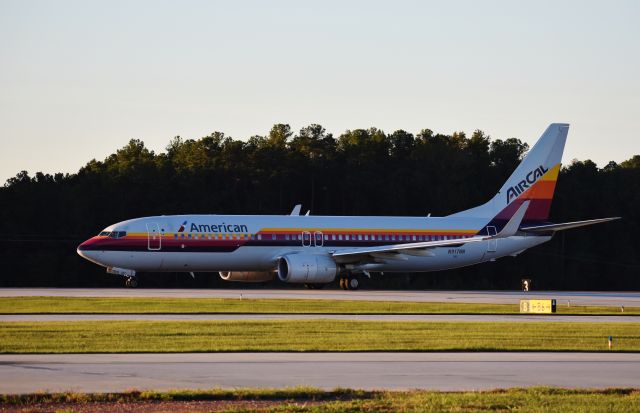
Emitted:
<point x="441" y="371"/>
<point x="598" y="298"/>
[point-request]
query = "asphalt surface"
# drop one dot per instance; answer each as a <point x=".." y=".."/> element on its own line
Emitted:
<point x="355" y="317"/>
<point x="600" y="298"/>
<point x="441" y="371"/>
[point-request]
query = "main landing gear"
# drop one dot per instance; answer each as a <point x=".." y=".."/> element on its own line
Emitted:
<point x="350" y="282"/>
<point x="131" y="282"/>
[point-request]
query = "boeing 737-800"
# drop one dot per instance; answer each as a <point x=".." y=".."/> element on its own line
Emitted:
<point x="315" y="250"/>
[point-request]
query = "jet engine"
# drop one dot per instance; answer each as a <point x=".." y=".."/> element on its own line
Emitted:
<point x="247" y="276"/>
<point x="307" y="268"/>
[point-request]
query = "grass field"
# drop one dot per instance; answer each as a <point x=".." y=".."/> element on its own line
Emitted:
<point x="311" y="335"/>
<point x="540" y="399"/>
<point x="134" y="305"/>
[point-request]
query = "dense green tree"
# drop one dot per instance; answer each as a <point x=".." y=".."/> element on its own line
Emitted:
<point x="362" y="172"/>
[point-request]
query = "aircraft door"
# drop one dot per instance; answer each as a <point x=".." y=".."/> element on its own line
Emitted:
<point x="154" y="237"/>
<point x="318" y="241"/>
<point x="492" y="244"/>
<point x="306" y="239"/>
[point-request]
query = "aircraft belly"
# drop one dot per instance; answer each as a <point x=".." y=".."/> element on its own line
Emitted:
<point x="134" y="260"/>
<point x="264" y="258"/>
<point x="442" y="258"/>
<point x="242" y="259"/>
<point x="469" y="254"/>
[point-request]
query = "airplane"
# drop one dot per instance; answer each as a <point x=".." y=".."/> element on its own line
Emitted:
<point x="316" y="250"/>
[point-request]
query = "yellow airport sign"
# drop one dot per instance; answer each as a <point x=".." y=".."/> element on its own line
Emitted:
<point x="538" y="306"/>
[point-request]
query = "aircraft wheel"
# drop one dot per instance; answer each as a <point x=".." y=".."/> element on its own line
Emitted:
<point x="353" y="283"/>
<point x="343" y="283"/>
<point x="131" y="282"/>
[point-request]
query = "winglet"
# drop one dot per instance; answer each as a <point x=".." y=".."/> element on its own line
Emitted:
<point x="514" y="223"/>
<point x="296" y="210"/>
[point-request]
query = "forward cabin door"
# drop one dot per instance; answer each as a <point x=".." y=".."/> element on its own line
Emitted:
<point x="154" y="238"/>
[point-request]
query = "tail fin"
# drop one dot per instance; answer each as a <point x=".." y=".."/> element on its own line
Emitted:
<point x="533" y="180"/>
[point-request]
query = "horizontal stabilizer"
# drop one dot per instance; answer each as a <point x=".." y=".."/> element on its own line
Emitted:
<point x="512" y="226"/>
<point x="566" y="225"/>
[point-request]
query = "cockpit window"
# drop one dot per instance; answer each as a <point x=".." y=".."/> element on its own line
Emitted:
<point x="113" y="234"/>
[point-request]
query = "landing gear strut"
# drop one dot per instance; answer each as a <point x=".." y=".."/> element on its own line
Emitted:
<point x="131" y="282"/>
<point x="349" y="282"/>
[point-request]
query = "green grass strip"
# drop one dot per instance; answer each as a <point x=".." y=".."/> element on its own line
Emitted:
<point x="536" y="399"/>
<point x="136" y="305"/>
<point x="311" y="335"/>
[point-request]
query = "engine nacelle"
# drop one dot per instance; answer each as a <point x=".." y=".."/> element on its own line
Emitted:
<point x="307" y="268"/>
<point x="247" y="276"/>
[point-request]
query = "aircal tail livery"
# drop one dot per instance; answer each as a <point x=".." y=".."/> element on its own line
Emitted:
<point x="315" y="250"/>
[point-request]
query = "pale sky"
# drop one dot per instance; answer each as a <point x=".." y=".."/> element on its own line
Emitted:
<point x="78" y="79"/>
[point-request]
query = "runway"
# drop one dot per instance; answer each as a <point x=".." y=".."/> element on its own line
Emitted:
<point x="354" y="317"/>
<point x="438" y="371"/>
<point x="593" y="298"/>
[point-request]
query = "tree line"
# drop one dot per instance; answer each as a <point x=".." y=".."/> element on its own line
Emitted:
<point x="361" y="172"/>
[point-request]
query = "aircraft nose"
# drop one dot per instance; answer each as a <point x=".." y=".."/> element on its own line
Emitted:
<point x="81" y="250"/>
<point x="87" y="250"/>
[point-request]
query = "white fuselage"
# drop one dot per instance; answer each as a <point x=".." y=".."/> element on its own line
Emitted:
<point x="255" y="243"/>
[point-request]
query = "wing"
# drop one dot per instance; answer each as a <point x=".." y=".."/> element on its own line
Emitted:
<point x="566" y="225"/>
<point x="422" y="248"/>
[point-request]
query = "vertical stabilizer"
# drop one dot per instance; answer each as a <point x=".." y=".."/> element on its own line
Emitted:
<point x="534" y="180"/>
